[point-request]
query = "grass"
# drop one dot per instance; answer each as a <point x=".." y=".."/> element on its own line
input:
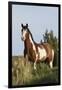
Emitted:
<point x="23" y="73"/>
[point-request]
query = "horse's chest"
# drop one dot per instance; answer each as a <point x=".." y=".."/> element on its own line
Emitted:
<point x="42" y="54"/>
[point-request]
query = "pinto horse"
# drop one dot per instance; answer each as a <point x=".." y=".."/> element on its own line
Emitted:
<point x="36" y="52"/>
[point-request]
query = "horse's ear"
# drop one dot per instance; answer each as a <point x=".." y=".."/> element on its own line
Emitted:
<point x="27" y="25"/>
<point x="22" y="25"/>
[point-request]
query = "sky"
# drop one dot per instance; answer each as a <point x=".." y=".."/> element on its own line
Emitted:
<point x="39" y="18"/>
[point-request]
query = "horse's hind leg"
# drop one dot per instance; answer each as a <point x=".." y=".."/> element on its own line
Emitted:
<point x="51" y="62"/>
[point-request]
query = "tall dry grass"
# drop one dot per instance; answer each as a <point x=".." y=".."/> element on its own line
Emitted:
<point x="23" y="73"/>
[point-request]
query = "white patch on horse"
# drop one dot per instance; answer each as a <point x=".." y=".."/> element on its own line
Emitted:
<point x="32" y="43"/>
<point x="42" y="53"/>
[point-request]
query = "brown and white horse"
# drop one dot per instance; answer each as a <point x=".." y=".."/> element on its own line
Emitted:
<point x="36" y="52"/>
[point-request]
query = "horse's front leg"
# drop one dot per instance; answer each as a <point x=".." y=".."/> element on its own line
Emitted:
<point x="25" y="56"/>
<point x="35" y="61"/>
<point x="25" y="53"/>
<point x="35" y="65"/>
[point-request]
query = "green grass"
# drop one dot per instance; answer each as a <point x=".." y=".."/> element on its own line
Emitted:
<point x="23" y="73"/>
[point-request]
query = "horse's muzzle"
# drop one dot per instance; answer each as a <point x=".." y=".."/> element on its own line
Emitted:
<point x="22" y="38"/>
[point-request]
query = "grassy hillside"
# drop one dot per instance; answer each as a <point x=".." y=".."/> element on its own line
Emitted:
<point x="24" y="74"/>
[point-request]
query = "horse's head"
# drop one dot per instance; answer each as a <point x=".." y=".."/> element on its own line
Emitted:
<point x="24" y="32"/>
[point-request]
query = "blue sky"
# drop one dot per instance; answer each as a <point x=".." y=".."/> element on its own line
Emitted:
<point x="39" y="18"/>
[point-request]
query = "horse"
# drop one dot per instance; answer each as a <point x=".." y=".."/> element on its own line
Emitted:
<point x="36" y="51"/>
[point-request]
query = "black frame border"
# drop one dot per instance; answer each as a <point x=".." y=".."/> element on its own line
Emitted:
<point x="10" y="3"/>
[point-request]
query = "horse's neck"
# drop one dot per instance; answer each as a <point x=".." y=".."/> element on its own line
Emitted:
<point x="29" y="42"/>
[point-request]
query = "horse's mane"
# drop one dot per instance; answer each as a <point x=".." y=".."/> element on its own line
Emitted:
<point x="31" y="35"/>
